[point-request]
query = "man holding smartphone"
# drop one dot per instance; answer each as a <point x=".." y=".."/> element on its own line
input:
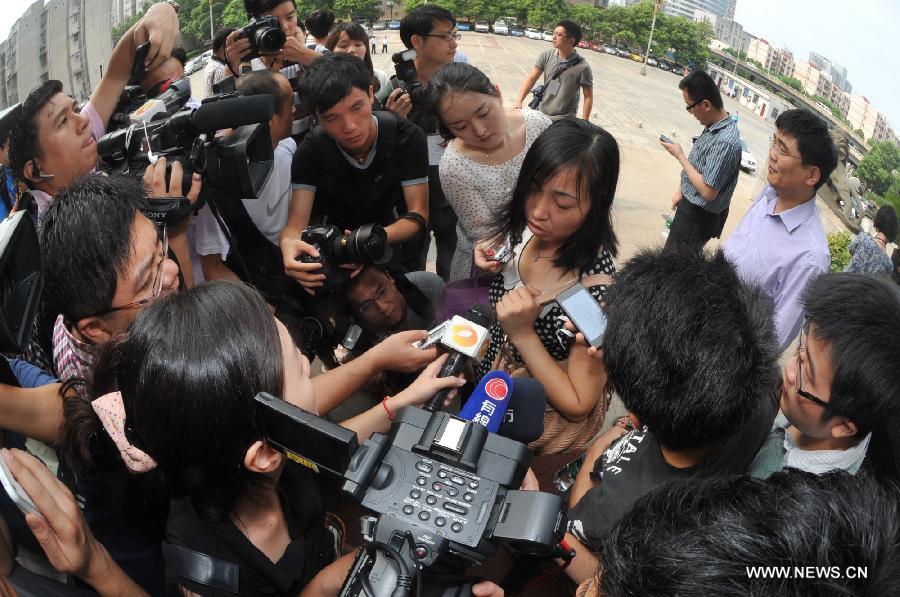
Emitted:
<point x="710" y="170"/>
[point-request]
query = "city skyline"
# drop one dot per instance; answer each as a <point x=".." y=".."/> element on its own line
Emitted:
<point x="830" y="29"/>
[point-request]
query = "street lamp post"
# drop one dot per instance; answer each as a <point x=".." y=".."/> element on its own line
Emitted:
<point x="211" y="33"/>
<point x="650" y="41"/>
<point x="390" y="6"/>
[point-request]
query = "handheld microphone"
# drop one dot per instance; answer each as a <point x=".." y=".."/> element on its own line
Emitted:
<point x="524" y="420"/>
<point x="464" y="338"/>
<point x="488" y="403"/>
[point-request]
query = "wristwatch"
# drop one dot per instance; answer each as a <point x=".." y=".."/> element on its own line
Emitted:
<point x="173" y="4"/>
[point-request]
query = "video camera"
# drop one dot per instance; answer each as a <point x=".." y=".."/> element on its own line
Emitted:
<point x="366" y="245"/>
<point x="441" y="488"/>
<point x="405" y="69"/>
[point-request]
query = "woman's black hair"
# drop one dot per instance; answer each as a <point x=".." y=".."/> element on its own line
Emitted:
<point x="594" y="155"/>
<point x="355" y="32"/>
<point x="886" y="222"/>
<point x="188" y="371"/>
<point x="456" y="77"/>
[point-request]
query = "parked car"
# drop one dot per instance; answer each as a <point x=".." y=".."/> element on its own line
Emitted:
<point x="547" y="35"/>
<point x="584" y="45"/>
<point x="532" y="33"/>
<point x="623" y="53"/>
<point x="608" y="49"/>
<point x="663" y="65"/>
<point x="482" y="27"/>
<point x="597" y="47"/>
<point x="464" y="26"/>
<point x="394" y="25"/>
<point x="652" y="62"/>
<point x="516" y="31"/>
<point x="500" y="28"/>
<point x="748" y="162"/>
<point x="380" y="25"/>
<point x="194" y="65"/>
<point x="636" y="57"/>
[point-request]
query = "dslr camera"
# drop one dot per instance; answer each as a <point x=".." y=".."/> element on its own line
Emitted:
<point x="405" y="69"/>
<point x="367" y="245"/>
<point x="265" y="35"/>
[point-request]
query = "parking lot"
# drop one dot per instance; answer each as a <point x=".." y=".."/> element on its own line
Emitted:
<point x="635" y="109"/>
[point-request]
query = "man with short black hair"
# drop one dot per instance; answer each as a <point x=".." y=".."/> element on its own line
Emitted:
<point x="844" y="383"/>
<point x="293" y="57"/>
<point x="55" y="140"/>
<point x="565" y="72"/>
<point x="743" y="536"/>
<point x="690" y="349"/>
<point x="217" y="67"/>
<point x="357" y="167"/>
<point x="98" y="283"/>
<point x="780" y="243"/>
<point x="430" y="31"/>
<point x="318" y="25"/>
<point x="710" y="172"/>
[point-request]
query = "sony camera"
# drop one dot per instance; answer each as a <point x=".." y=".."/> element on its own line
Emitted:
<point x="405" y="69"/>
<point x="265" y="35"/>
<point x="366" y="245"/>
<point x="441" y="490"/>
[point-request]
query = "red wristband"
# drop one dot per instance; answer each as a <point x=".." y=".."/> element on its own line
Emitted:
<point x="390" y="415"/>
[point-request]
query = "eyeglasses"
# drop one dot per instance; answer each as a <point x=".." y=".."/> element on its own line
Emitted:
<point x="447" y="37"/>
<point x="804" y="331"/>
<point x="555" y="34"/>
<point x="694" y="105"/>
<point x="782" y="153"/>
<point x="157" y="281"/>
<point x="367" y="307"/>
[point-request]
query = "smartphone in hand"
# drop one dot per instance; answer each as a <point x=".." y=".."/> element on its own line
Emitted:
<point x="665" y="139"/>
<point x="584" y="312"/>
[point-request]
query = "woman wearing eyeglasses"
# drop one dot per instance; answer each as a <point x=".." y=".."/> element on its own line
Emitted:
<point x="485" y="146"/>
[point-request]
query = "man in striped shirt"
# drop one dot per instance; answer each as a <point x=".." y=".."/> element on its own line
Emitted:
<point x="710" y="171"/>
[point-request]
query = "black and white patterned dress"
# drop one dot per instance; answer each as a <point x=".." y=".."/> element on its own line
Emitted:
<point x="547" y="322"/>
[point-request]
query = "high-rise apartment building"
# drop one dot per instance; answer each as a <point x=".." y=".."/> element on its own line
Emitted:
<point x="732" y="33"/>
<point x="69" y="40"/>
<point x="687" y="8"/>
<point x="838" y="73"/>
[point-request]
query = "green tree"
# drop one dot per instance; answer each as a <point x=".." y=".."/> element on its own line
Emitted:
<point x="367" y="10"/>
<point x="586" y="15"/>
<point x="879" y="167"/>
<point x="792" y="82"/>
<point x="233" y="15"/>
<point x="542" y="13"/>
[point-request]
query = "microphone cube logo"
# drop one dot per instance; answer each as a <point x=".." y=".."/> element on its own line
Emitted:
<point x="464" y="336"/>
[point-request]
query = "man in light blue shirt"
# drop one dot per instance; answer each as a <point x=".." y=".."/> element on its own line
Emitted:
<point x="780" y="244"/>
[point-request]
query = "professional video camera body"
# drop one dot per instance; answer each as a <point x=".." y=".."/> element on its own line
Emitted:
<point x="442" y="488"/>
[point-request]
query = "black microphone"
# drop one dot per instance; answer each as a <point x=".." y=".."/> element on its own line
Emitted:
<point x="524" y="419"/>
<point x="463" y="340"/>
<point x="225" y="113"/>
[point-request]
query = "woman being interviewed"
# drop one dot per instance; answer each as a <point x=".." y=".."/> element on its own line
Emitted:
<point x="176" y="394"/>
<point x="559" y="225"/>
<point x="486" y="144"/>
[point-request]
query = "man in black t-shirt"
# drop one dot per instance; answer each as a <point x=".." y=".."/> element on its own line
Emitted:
<point x="691" y="351"/>
<point x="357" y="167"/>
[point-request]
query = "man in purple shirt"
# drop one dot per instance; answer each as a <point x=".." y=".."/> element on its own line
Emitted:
<point x="780" y="244"/>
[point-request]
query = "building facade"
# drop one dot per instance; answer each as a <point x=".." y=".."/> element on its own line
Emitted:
<point x="687" y="8"/>
<point x="732" y="34"/>
<point x="68" y="40"/>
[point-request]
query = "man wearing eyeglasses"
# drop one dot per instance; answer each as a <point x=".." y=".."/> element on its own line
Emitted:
<point x="841" y="390"/>
<point x="431" y="32"/>
<point x="780" y="244"/>
<point x="565" y="72"/>
<point x="710" y="171"/>
<point x="104" y="261"/>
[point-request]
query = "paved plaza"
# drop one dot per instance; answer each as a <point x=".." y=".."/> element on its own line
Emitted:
<point x="635" y="109"/>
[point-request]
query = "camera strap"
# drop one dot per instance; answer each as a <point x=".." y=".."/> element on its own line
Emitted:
<point x="200" y="568"/>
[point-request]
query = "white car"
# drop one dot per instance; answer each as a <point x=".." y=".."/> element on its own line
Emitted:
<point x="748" y="162"/>
<point x="482" y="27"/>
<point x="532" y="33"/>
<point x="547" y="35"/>
<point x="500" y="28"/>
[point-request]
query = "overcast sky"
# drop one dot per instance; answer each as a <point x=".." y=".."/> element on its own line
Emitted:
<point x="863" y="36"/>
